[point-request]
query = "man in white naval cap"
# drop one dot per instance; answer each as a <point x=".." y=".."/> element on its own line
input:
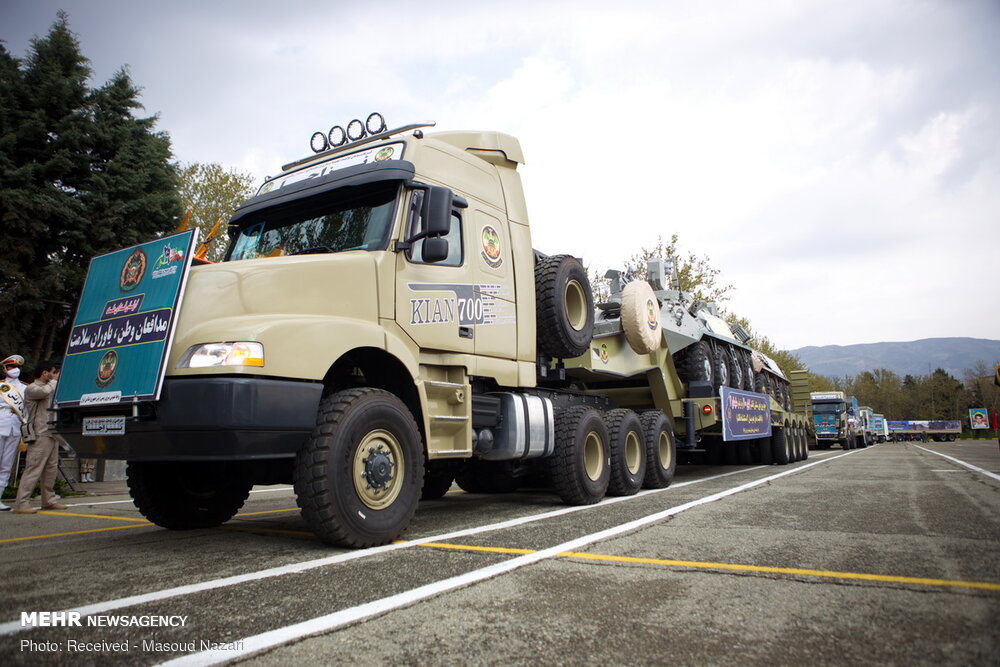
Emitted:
<point x="11" y="416"/>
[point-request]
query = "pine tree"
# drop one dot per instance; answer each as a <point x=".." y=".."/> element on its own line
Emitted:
<point x="80" y="175"/>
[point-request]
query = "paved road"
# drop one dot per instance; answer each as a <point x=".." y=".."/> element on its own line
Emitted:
<point x="883" y="555"/>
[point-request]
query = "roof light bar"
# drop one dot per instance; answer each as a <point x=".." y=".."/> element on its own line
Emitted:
<point x="356" y="131"/>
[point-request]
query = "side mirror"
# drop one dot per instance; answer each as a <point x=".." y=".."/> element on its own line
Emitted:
<point x="436" y="212"/>
<point x="434" y="249"/>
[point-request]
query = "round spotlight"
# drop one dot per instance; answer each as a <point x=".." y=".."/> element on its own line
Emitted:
<point x="375" y="123"/>
<point x="337" y="136"/>
<point x="318" y="142"/>
<point x="355" y="130"/>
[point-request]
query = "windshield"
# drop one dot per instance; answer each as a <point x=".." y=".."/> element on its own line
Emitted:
<point x="828" y="408"/>
<point x="354" y="218"/>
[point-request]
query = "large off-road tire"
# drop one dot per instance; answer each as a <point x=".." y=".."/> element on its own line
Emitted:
<point x="780" y="447"/>
<point x="478" y="476"/>
<point x="438" y="478"/>
<point x="661" y="451"/>
<point x="764" y="451"/>
<point x="737" y="370"/>
<point x="183" y="495"/>
<point x="628" y="452"/>
<point x="564" y="307"/>
<point x="640" y="317"/>
<point x="580" y="466"/>
<point x="696" y="364"/>
<point x="804" y="434"/>
<point x="358" y="478"/>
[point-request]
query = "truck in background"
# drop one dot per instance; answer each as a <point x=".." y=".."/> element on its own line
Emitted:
<point x="866" y="426"/>
<point x="880" y="428"/>
<point x="832" y="421"/>
<point x="925" y="430"/>
<point x="381" y="327"/>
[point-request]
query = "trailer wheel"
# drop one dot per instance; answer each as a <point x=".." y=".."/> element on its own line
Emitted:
<point x="640" y="317"/>
<point x="780" y="447"/>
<point x="564" y="307"/>
<point x="628" y="452"/>
<point x="184" y="495"/>
<point x="661" y="452"/>
<point x="764" y="452"/>
<point x="804" y="434"/>
<point x="358" y="477"/>
<point x="580" y="470"/>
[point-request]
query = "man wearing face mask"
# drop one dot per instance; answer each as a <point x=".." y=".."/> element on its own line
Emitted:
<point x="11" y="416"/>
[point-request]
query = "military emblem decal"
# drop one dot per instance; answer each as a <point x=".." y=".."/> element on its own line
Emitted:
<point x="106" y="368"/>
<point x="652" y="314"/>
<point x="132" y="271"/>
<point x="492" y="251"/>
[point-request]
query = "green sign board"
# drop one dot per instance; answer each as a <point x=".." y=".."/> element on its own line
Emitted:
<point x="124" y="325"/>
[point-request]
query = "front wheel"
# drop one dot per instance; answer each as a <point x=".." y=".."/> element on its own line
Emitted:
<point x="183" y="495"/>
<point x="359" y="476"/>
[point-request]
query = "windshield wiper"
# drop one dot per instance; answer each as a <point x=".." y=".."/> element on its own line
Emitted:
<point x="314" y="250"/>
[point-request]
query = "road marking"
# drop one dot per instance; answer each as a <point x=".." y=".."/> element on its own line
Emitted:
<point x="295" y="568"/>
<point x="961" y="463"/>
<point x="734" y="567"/>
<point x="267" y="640"/>
<point x="91" y="516"/>
<point x="120" y="502"/>
<point x="75" y="532"/>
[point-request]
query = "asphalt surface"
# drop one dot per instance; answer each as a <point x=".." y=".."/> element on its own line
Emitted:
<point x="887" y="555"/>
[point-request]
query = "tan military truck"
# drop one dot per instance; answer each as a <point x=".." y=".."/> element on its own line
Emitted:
<point x="381" y="327"/>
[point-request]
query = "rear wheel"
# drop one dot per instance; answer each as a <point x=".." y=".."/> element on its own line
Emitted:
<point x="580" y="470"/>
<point x="183" y="495"/>
<point x="438" y="478"/>
<point x="628" y="452"/>
<point x="359" y="476"/>
<point x="661" y="453"/>
<point x="696" y="365"/>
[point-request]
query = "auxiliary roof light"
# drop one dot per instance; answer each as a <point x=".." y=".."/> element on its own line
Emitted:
<point x="355" y="130"/>
<point x="337" y="136"/>
<point x="375" y="123"/>
<point x="318" y="142"/>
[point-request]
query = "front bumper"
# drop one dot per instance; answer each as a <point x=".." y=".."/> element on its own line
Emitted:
<point x="205" y="419"/>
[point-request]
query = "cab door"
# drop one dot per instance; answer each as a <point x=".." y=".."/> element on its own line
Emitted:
<point x="432" y="299"/>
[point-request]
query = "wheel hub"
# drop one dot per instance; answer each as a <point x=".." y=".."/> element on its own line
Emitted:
<point x="377" y="468"/>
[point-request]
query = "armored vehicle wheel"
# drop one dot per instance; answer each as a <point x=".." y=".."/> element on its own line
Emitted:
<point x="628" y="452"/>
<point x="743" y="453"/>
<point x="640" y="317"/>
<point x="736" y="367"/>
<point x="661" y="452"/>
<point x="780" y="447"/>
<point x="720" y="370"/>
<point x="696" y="364"/>
<point x="564" y="307"/>
<point x="182" y="495"/>
<point x="358" y="477"/>
<point x="580" y="470"/>
<point x="804" y="434"/>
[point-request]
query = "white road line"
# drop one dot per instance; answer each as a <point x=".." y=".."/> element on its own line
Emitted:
<point x="13" y="627"/>
<point x="961" y="463"/>
<point x="274" y="638"/>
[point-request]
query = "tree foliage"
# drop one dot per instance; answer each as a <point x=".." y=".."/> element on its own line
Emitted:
<point x="80" y="175"/>
<point x="212" y="193"/>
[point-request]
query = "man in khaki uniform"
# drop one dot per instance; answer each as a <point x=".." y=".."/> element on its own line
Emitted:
<point x="43" y="453"/>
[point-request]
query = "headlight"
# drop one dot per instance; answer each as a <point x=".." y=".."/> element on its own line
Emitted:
<point x="223" y="354"/>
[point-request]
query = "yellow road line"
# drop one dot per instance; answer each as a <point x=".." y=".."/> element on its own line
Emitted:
<point x="294" y="509"/>
<point x="92" y="516"/>
<point x="75" y="532"/>
<point x="734" y="567"/>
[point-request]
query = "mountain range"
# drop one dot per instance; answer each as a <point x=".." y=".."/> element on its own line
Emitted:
<point x="918" y="357"/>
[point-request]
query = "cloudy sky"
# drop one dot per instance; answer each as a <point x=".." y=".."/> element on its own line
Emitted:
<point x="839" y="162"/>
